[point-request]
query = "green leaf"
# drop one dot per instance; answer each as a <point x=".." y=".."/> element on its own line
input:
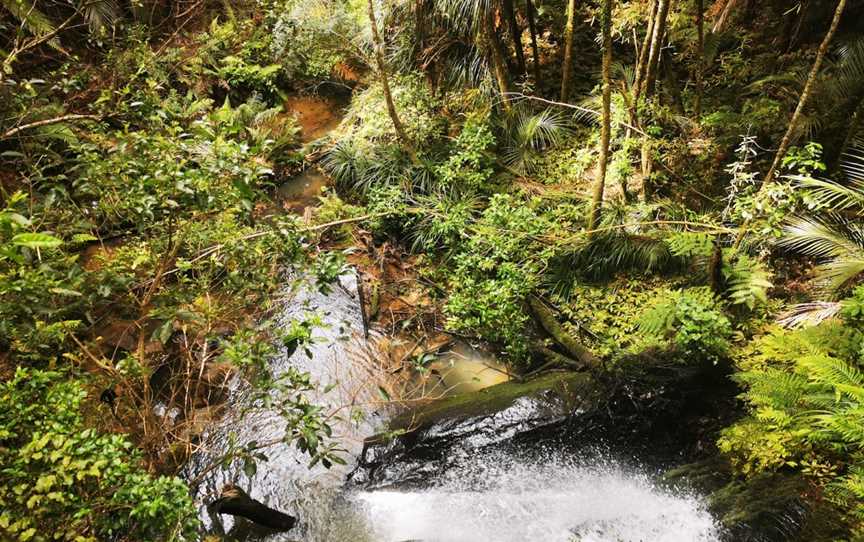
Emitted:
<point x="383" y="393"/>
<point x="36" y="240"/>
<point x="64" y="291"/>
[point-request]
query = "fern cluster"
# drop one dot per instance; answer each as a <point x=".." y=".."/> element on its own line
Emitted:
<point x="805" y="391"/>
<point x="689" y="318"/>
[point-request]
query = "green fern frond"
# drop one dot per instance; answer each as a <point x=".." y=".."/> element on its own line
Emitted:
<point x="747" y="280"/>
<point x="835" y="373"/>
<point x="31" y="18"/>
<point x="690" y="244"/>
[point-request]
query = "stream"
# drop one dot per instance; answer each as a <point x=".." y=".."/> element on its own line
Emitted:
<point x="492" y="492"/>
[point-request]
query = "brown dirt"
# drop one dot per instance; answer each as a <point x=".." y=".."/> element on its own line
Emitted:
<point x="316" y="115"/>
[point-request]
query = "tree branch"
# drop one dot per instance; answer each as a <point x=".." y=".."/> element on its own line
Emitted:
<point x="46" y="122"/>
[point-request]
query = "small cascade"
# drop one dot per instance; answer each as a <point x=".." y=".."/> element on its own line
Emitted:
<point x="342" y="361"/>
<point x="550" y="498"/>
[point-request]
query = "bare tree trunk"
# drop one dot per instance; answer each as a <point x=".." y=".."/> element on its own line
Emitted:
<point x="385" y="83"/>
<point x="568" y="51"/>
<point x="532" y="26"/>
<point x="496" y="53"/>
<point x="656" y="44"/>
<point x="805" y="94"/>
<point x="642" y="63"/>
<point x="515" y="33"/>
<point x="724" y="16"/>
<point x="700" y="60"/>
<point x="606" y="122"/>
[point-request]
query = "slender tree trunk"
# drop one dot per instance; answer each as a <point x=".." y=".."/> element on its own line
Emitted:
<point x="515" y="33"/>
<point x="568" y="51"/>
<point x="700" y="58"/>
<point x="606" y="122"/>
<point x="657" y="37"/>
<point x="385" y="83"/>
<point x="532" y="26"/>
<point x="642" y="62"/>
<point x="656" y="44"/>
<point x="496" y="53"/>
<point x="724" y="16"/>
<point x="420" y="37"/>
<point x="805" y="94"/>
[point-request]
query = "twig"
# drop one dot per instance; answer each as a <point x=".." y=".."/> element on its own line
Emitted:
<point x="47" y="122"/>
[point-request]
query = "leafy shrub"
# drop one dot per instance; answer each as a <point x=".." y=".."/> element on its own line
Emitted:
<point x="804" y="390"/>
<point x="497" y="268"/>
<point x="689" y="319"/>
<point x="367" y="124"/>
<point x="139" y="178"/>
<point x="610" y="312"/>
<point x="63" y="481"/>
<point x="469" y="165"/>
<point x="236" y="56"/>
<point x="316" y="38"/>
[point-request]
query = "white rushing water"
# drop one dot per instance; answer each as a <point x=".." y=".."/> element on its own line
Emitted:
<point x="493" y="497"/>
<point x="500" y="499"/>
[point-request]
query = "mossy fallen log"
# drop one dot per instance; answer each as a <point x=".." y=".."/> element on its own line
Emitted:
<point x="555" y="330"/>
<point x="234" y="501"/>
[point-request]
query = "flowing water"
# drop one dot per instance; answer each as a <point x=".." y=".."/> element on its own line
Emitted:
<point x="545" y="498"/>
<point x="494" y="497"/>
<point x="488" y="497"/>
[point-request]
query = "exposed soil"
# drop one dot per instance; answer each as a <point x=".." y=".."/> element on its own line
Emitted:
<point x="316" y="115"/>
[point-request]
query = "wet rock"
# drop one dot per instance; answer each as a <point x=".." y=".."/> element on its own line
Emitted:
<point x="426" y="441"/>
<point x="236" y="502"/>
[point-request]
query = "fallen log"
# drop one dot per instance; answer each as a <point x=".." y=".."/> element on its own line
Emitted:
<point x="555" y="330"/>
<point x="234" y="501"/>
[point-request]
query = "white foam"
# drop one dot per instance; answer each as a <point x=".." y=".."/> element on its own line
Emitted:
<point x="549" y="502"/>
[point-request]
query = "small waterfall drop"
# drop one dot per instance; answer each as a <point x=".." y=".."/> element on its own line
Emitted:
<point x="496" y="498"/>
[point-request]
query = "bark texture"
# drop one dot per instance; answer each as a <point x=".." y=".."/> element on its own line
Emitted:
<point x="567" y="70"/>
<point x="606" y="121"/>
<point x="805" y="94"/>
<point x="234" y="501"/>
<point x="532" y="27"/>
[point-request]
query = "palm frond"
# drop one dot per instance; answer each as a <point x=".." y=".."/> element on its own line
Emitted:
<point x="529" y="134"/>
<point x="101" y="15"/>
<point x="852" y="163"/>
<point x="808" y="314"/>
<point x="818" y="238"/>
<point x="835" y="196"/>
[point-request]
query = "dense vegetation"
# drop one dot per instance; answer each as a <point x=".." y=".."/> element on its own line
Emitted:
<point x="580" y="183"/>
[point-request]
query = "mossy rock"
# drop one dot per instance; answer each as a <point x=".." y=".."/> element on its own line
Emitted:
<point x="560" y="392"/>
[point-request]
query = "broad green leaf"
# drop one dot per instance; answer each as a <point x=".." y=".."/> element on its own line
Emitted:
<point x="36" y="240"/>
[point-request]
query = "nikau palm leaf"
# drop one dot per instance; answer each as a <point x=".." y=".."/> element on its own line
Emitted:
<point x="834" y="236"/>
<point x="528" y="135"/>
